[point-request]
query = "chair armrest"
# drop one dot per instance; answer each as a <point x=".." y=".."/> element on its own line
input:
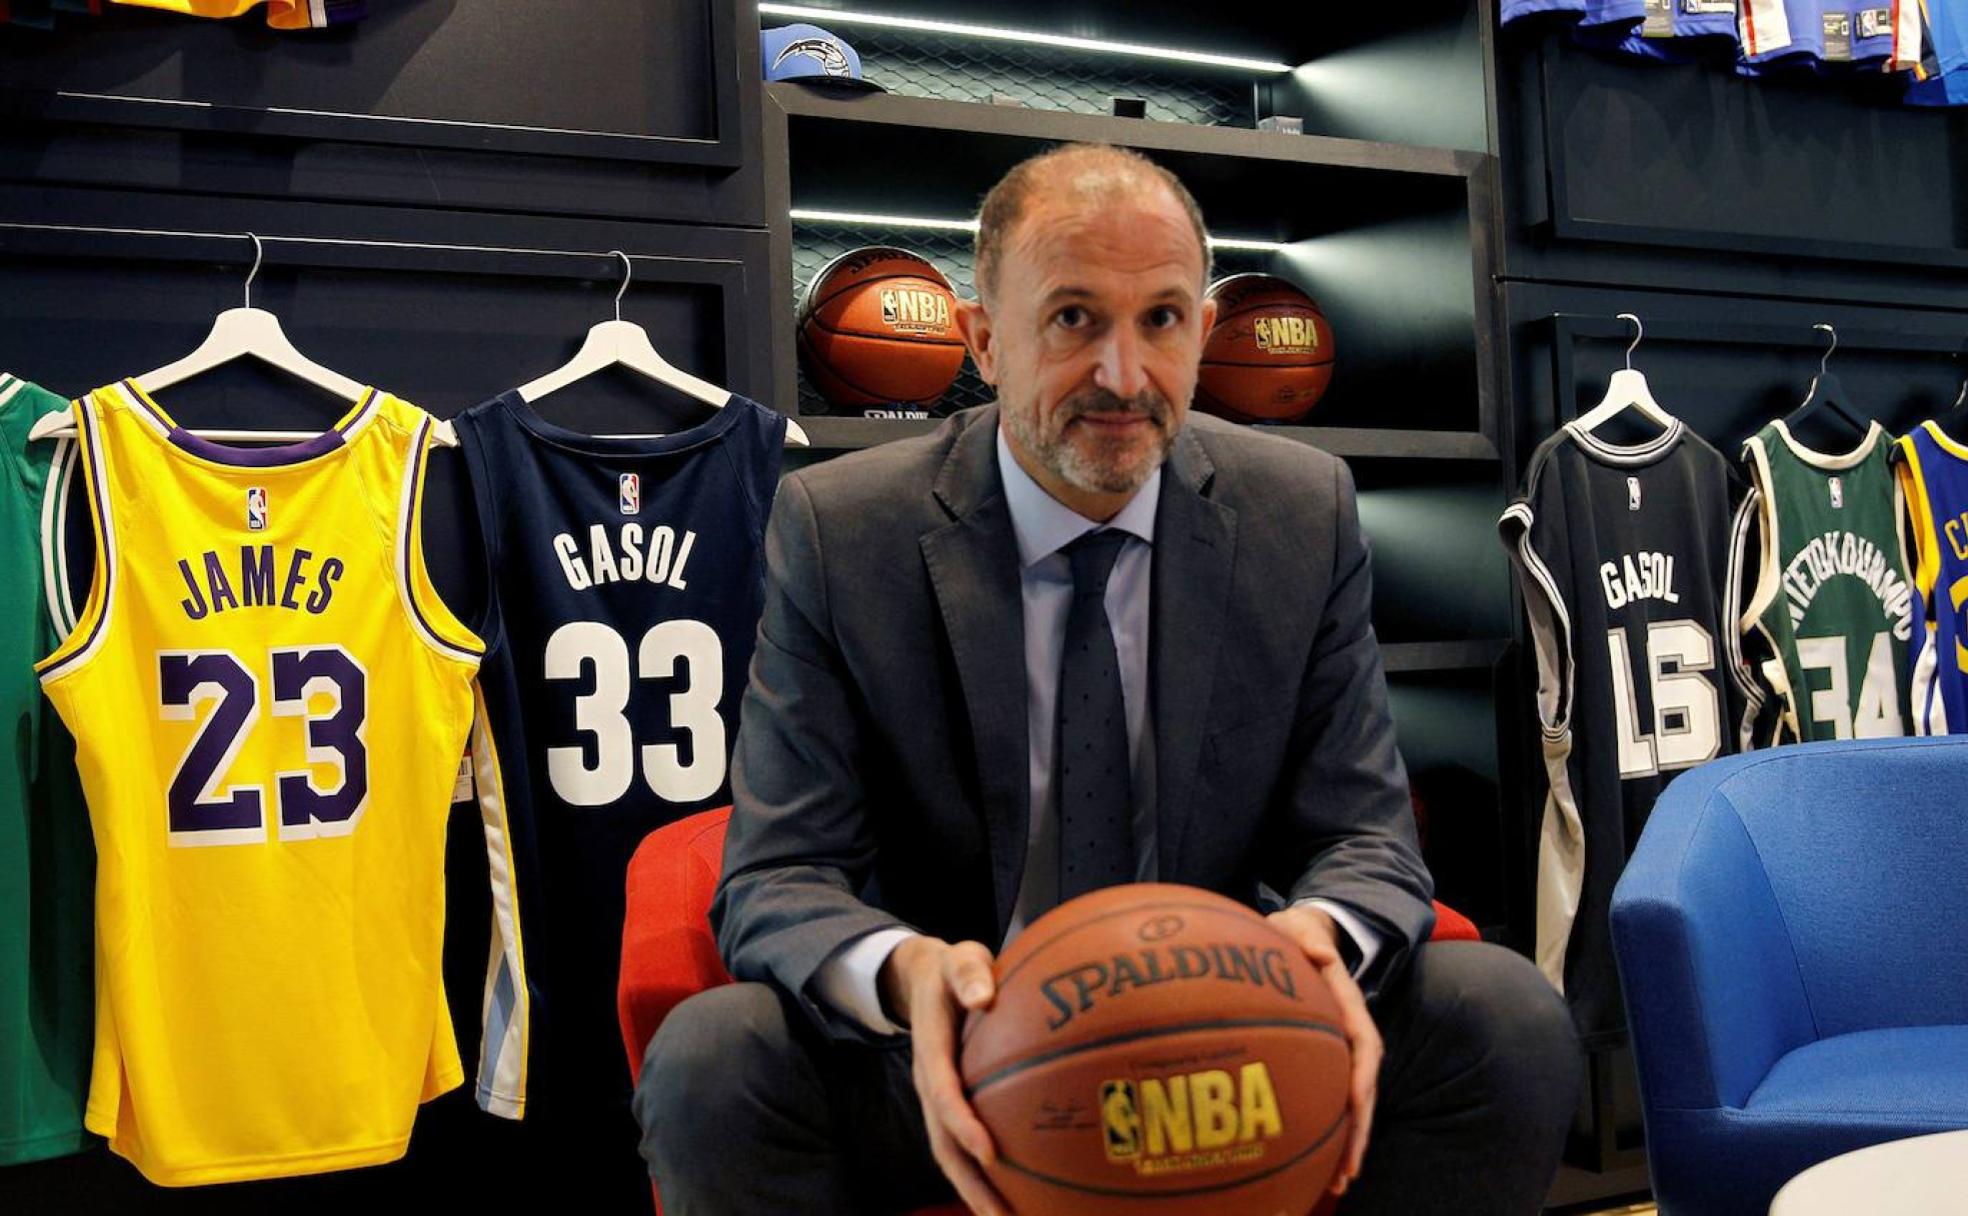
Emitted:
<point x="1713" y="992"/>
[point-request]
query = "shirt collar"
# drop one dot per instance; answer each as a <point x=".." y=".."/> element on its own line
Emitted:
<point x="1044" y="525"/>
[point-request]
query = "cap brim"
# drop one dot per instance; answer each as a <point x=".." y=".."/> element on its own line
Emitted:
<point x="837" y="84"/>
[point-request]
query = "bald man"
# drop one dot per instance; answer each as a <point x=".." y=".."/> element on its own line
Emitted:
<point x="1181" y="606"/>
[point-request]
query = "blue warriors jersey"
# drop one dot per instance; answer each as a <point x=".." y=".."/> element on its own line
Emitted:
<point x="1516" y="10"/>
<point x="1671" y="30"/>
<point x="1941" y="76"/>
<point x="627" y="580"/>
<point x="1933" y="472"/>
<point x="1653" y="29"/>
<point x="1785" y="34"/>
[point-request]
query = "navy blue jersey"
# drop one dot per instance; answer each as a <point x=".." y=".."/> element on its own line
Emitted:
<point x="627" y="580"/>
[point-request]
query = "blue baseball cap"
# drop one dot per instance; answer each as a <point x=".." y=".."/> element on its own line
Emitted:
<point x="811" y="55"/>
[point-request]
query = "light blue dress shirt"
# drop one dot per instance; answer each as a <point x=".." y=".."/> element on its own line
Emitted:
<point x="1043" y="526"/>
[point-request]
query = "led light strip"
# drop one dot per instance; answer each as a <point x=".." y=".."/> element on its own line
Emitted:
<point x="866" y="219"/>
<point x="830" y="16"/>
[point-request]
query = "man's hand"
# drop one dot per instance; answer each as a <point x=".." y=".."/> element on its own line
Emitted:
<point x="1318" y="936"/>
<point x="925" y="985"/>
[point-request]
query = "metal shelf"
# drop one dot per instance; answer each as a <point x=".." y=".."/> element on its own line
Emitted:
<point x="1475" y="654"/>
<point x="846" y="434"/>
<point x="1052" y="126"/>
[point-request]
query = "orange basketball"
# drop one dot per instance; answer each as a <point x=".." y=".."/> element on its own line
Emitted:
<point x="878" y="327"/>
<point x="1269" y="357"/>
<point x="1158" y="1048"/>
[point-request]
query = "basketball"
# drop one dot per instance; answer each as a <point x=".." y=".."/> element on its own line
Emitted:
<point x="1158" y="1048"/>
<point x="877" y="327"/>
<point x="1269" y="356"/>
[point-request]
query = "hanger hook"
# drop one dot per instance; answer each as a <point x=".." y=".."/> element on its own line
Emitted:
<point x="1824" y="364"/>
<point x="628" y="273"/>
<point x="259" y="254"/>
<point x="1639" y="332"/>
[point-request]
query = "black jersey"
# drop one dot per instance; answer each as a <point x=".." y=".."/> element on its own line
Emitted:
<point x="627" y="580"/>
<point x="1623" y="557"/>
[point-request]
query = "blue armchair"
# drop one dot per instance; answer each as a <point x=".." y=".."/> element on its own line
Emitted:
<point x="1792" y="936"/>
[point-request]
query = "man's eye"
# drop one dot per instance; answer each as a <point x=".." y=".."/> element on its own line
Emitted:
<point x="1070" y="317"/>
<point x="1164" y="317"/>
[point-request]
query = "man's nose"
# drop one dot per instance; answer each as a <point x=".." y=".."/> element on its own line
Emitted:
<point x="1120" y="369"/>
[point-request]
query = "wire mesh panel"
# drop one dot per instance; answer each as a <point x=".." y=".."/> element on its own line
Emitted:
<point x="816" y="244"/>
<point x="922" y="64"/>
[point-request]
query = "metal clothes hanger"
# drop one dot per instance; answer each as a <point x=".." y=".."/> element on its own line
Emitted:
<point x="1627" y="390"/>
<point x="626" y="344"/>
<point x="1951" y="419"/>
<point x="235" y="333"/>
<point x="1828" y="392"/>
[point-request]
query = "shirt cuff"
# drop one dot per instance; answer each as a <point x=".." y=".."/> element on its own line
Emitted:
<point x="1365" y="938"/>
<point x="846" y="982"/>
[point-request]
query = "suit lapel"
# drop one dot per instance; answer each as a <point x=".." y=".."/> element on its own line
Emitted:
<point x="1195" y="544"/>
<point x="973" y="567"/>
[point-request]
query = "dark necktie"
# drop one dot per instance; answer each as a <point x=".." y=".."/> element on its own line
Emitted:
<point x="1096" y="803"/>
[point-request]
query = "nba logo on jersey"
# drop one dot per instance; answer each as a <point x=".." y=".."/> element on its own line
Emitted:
<point x="631" y="494"/>
<point x="256" y="511"/>
<point x="1838" y="493"/>
<point x="1633" y="493"/>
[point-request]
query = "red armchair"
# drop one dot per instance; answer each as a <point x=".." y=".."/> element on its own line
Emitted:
<point x="668" y="953"/>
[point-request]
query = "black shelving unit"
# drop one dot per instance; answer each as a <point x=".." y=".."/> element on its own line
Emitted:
<point x="1389" y="221"/>
<point x="1371" y="229"/>
<point x="847" y="434"/>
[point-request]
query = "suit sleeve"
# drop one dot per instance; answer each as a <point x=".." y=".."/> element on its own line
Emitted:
<point x="1343" y="828"/>
<point x="800" y="844"/>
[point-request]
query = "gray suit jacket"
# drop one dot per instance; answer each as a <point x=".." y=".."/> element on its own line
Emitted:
<point x="880" y="773"/>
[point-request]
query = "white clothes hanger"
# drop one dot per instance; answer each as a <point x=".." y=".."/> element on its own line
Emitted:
<point x="237" y="332"/>
<point x="624" y="343"/>
<point x="1627" y="390"/>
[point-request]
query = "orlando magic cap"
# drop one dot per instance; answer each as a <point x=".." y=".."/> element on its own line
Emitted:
<point x="810" y="55"/>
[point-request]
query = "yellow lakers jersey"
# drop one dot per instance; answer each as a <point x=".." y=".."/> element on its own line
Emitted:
<point x="281" y="14"/>
<point x="269" y="701"/>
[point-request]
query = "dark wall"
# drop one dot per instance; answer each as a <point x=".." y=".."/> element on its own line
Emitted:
<point x="448" y="261"/>
<point x="1731" y="215"/>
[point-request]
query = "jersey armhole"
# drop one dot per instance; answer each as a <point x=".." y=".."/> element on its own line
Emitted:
<point x="54" y="537"/>
<point x="478" y="474"/>
<point x="1740" y="673"/>
<point x="430" y="617"/>
<point x="1764" y="592"/>
<point x="1551" y="626"/>
<point x="84" y="630"/>
<point x="1915" y="519"/>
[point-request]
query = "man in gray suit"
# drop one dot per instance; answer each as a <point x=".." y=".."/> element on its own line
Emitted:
<point x="1075" y="638"/>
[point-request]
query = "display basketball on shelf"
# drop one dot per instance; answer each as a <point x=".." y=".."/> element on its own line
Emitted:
<point x="1153" y="1042"/>
<point x="1269" y="356"/>
<point x="878" y="328"/>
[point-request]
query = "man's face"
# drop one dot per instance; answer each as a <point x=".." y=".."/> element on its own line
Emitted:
<point x="1092" y="338"/>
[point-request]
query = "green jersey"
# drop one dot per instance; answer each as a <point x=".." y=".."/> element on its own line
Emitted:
<point x="47" y="858"/>
<point x="1831" y="604"/>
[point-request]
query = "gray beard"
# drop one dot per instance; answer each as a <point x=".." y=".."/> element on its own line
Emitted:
<point x="1074" y="466"/>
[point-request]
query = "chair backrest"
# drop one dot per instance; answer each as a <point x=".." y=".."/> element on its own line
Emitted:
<point x="668" y="952"/>
<point x="1865" y="848"/>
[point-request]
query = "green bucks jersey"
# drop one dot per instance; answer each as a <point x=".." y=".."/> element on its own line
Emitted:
<point x="1832" y="605"/>
<point x="47" y="858"/>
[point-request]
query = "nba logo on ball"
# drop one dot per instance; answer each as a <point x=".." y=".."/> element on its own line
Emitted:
<point x="256" y="510"/>
<point x="631" y="493"/>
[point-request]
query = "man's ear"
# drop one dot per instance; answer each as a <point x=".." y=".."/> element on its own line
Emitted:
<point x="1208" y="316"/>
<point x="974" y="323"/>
